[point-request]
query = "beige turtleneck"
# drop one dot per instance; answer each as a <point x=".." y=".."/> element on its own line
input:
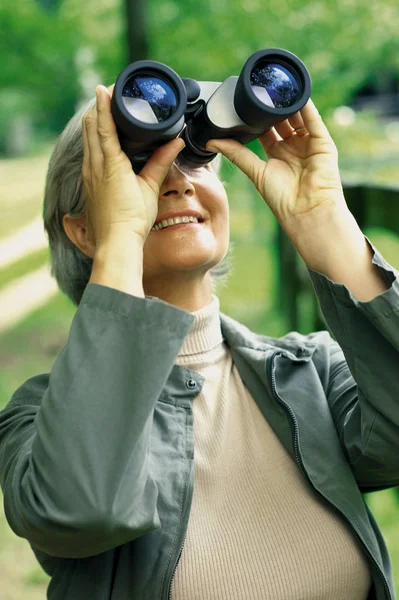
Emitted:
<point x="256" y="530"/>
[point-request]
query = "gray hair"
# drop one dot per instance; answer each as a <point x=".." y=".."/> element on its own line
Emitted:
<point x="64" y="194"/>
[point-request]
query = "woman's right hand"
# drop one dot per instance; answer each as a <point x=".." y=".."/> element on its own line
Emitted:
<point x="118" y="201"/>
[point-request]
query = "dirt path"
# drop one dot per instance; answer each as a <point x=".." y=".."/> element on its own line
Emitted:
<point x="26" y="240"/>
<point x="31" y="291"/>
<point x="24" y="295"/>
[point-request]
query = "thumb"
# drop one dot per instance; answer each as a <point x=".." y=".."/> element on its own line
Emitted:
<point x="157" y="167"/>
<point x="239" y="155"/>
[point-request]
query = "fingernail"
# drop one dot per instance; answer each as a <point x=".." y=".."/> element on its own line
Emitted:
<point x="211" y="148"/>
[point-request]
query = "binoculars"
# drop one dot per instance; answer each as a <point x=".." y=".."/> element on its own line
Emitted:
<point x="152" y="104"/>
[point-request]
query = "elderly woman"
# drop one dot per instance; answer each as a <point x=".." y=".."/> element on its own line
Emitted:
<point x="172" y="452"/>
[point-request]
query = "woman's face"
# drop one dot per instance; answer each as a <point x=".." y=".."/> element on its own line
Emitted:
<point x="196" y="247"/>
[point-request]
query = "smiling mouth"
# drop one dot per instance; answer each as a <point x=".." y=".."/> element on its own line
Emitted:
<point x="176" y="222"/>
<point x="176" y="226"/>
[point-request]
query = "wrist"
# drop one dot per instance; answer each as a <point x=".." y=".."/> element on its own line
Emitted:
<point x="118" y="263"/>
<point x="321" y="237"/>
<point x="118" y="242"/>
<point x="336" y="247"/>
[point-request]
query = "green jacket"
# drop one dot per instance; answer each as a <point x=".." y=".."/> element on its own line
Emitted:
<point x="97" y="457"/>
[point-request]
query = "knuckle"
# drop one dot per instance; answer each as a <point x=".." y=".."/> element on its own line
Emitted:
<point x="116" y="161"/>
<point x="234" y="157"/>
<point x="103" y="133"/>
<point x="89" y="119"/>
<point x="111" y="169"/>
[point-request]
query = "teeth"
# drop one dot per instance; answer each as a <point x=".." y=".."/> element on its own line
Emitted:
<point x="174" y="221"/>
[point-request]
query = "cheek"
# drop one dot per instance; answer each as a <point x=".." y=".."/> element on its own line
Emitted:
<point x="221" y="202"/>
<point x="215" y="194"/>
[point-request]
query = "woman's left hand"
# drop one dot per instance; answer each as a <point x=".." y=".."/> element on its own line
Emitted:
<point x="301" y="174"/>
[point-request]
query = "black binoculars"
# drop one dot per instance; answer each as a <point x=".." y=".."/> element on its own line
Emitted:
<point x="151" y="105"/>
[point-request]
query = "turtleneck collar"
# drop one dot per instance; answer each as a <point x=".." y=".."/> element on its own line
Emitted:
<point x="205" y="333"/>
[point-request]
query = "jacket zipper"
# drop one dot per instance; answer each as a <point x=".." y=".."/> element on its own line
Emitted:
<point x="304" y="473"/>
<point x="174" y="570"/>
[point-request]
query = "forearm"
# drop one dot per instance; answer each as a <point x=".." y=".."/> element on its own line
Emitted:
<point x="332" y="243"/>
<point x="74" y="464"/>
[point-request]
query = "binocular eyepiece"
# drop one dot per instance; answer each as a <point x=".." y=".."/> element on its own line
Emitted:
<point x="151" y="105"/>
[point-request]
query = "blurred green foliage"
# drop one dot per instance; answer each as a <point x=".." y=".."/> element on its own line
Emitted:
<point x="344" y="43"/>
<point x="329" y="36"/>
<point x="38" y="75"/>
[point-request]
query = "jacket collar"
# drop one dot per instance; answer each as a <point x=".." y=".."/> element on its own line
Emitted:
<point x="293" y="345"/>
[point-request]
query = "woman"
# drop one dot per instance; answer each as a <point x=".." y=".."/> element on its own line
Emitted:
<point x="171" y="452"/>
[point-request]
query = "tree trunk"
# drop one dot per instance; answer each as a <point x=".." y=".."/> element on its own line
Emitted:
<point x="137" y="37"/>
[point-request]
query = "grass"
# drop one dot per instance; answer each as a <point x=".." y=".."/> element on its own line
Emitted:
<point x="385" y="508"/>
<point x="20" y="575"/>
<point x="34" y="344"/>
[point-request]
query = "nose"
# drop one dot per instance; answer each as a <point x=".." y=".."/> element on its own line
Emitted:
<point x="176" y="183"/>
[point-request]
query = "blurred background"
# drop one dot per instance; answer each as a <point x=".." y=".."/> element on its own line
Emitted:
<point x="54" y="53"/>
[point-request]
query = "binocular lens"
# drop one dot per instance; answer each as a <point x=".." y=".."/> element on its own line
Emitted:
<point x="275" y="85"/>
<point x="148" y="98"/>
<point x="151" y="104"/>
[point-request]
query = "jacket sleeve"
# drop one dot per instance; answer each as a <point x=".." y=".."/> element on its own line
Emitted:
<point x="74" y="445"/>
<point x="363" y="386"/>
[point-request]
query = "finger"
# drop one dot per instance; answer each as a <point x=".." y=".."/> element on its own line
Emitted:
<point x="313" y="121"/>
<point x="284" y="129"/>
<point x="269" y="139"/>
<point x="93" y="142"/>
<point x="86" y="153"/>
<point x="239" y="155"/>
<point x="86" y="174"/>
<point x="106" y="127"/>
<point x="157" y="167"/>
<point x="296" y="121"/>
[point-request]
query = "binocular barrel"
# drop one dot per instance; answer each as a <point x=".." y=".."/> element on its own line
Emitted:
<point x="152" y="104"/>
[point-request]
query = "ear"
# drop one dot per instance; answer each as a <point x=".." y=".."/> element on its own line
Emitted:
<point x="78" y="231"/>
